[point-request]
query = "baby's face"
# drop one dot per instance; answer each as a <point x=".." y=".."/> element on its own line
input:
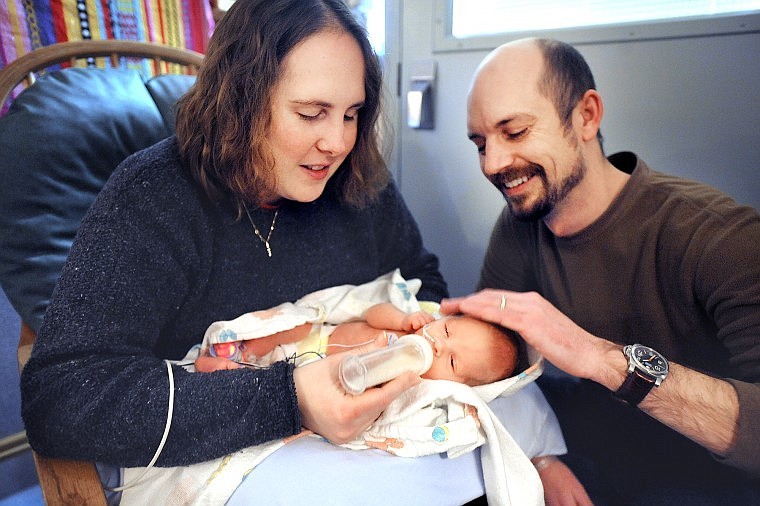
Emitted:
<point x="462" y="350"/>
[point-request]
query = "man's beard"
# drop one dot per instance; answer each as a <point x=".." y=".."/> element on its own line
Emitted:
<point x="553" y="194"/>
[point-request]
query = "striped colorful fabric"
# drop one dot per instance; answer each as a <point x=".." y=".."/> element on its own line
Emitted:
<point x="29" y="24"/>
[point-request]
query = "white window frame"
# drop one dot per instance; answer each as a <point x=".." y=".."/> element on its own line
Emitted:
<point x="444" y="41"/>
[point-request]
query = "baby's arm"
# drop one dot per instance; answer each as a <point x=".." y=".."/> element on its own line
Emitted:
<point x="386" y="316"/>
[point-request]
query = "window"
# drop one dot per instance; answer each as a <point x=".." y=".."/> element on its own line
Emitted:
<point x="479" y="24"/>
<point x="371" y="13"/>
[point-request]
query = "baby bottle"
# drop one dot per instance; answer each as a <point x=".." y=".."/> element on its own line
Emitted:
<point x="409" y="353"/>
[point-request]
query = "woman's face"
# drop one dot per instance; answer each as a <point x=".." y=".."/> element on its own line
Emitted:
<point x="315" y="110"/>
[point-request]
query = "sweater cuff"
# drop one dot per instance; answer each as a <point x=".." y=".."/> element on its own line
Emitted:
<point x="744" y="454"/>
<point x="294" y="396"/>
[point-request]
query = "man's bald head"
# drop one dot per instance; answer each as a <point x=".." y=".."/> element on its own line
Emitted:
<point x="557" y="69"/>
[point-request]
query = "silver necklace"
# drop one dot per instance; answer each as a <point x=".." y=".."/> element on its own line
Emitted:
<point x="256" y="230"/>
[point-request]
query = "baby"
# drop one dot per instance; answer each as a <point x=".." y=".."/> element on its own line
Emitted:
<point x="465" y="349"/>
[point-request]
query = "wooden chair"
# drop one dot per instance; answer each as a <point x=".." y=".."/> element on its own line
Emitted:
<point x="62" y="481"/>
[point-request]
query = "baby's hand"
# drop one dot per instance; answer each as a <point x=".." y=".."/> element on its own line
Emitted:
<point x="416" y="321"/>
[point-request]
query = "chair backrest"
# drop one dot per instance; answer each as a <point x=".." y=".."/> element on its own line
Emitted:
<point x="60" y="140"/>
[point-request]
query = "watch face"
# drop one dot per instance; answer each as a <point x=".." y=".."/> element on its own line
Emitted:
<point x="649" y="360"/>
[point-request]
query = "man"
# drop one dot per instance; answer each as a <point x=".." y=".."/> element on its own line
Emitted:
<point x="591" y="254"/>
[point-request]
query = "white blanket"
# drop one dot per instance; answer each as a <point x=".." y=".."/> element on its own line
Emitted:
<point x="434" y="417"/>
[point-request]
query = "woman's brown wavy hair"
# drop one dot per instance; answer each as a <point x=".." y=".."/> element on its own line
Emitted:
<point x="224" y="119"/>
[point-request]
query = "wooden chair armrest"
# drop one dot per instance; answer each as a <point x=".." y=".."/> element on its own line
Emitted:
<point x="69" y="481"/>
<point x="61" y="481"/>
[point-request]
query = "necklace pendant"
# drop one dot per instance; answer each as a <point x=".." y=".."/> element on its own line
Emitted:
<point x="265" y="242"/>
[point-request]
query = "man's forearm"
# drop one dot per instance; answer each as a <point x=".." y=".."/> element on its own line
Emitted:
<point x="702" y="408"/>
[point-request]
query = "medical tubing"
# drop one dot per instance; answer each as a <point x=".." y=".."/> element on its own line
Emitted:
<point x="410" y="353"/>
<point x="169" y="414"/>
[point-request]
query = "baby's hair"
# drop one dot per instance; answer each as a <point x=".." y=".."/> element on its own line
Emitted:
<point x="506" y="345"/>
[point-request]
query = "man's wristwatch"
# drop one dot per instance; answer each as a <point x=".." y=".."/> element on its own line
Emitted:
<point x="646" y="369"/>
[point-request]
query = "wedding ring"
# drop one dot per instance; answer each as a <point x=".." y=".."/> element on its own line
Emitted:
<point x="503" y="303"/>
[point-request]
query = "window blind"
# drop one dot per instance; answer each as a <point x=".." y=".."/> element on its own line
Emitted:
<point x="474" y="18"/>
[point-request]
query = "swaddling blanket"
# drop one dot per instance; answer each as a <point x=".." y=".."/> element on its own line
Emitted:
<point x="443" y="416"/>
<point x="433" y="417"/>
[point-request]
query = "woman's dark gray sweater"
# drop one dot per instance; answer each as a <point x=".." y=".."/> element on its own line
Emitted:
<point x="153" y="265"/>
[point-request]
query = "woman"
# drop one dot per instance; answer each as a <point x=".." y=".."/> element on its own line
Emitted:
<point x="272" y="188"/>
